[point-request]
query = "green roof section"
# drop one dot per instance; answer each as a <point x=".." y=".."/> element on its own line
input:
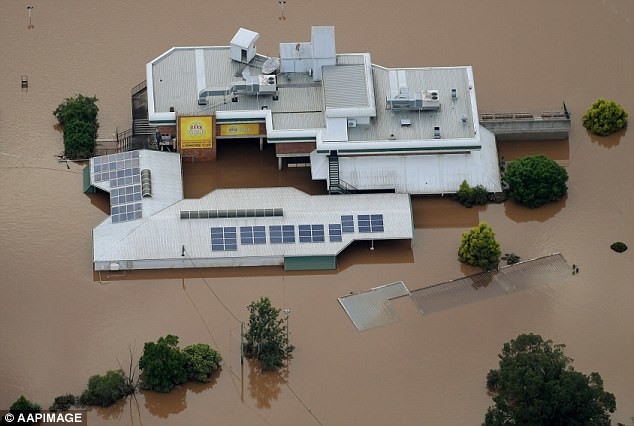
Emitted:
<point x="310" y="263"/>
<point x="88" y="188"/>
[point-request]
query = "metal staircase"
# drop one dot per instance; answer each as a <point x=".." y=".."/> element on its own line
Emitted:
<point x="335" y="184"/>
<point x="333" y="173"/>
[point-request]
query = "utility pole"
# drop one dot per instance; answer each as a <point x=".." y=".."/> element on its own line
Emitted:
<point x="30" y="8"/>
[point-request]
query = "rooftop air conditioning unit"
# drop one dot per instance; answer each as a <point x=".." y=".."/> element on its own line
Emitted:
<point x="352" y="122"/>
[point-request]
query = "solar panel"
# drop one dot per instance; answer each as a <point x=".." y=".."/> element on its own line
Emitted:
<point x="376" y="222"/>
<point x="363" y="221"/>
<point x="370" y="223"/>
<point x="288" y="233"/>
<point x="311" y="233"/>
<point x="279" y="234"/>
<point x="334" y="232"/>
<point x="275" y="234"/>
<point x="252" y="235"/>
<point x="223" y="238"/>
<point x="122" y="172"/>
<point x="347" y="223"/>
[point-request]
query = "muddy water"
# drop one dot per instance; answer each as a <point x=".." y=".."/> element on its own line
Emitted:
<point x="59" y="324"/>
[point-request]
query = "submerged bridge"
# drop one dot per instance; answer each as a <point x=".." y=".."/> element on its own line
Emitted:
<point x="517" y="126"/>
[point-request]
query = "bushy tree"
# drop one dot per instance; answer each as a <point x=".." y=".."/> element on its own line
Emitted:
<point x="79" y="139"/>
<point x="63" y="402"/>
<point x="604" y="117"/>
<point x="266" y="336"/>
<point x="79" y="107"/>
<point x="536" y="180"/>
<point x="78" y="116"/>
<point x="469" y="196"/>
<point x="478" y="247"/>
<point x="23" y="405"/>
<point x="105" y="390"/>
<point x="202" y="362"/>
<point x="537" y="385"/>
<point x="164" y="365"/>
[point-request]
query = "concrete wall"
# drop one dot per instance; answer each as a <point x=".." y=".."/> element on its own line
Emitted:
<point x="529" y="129"/>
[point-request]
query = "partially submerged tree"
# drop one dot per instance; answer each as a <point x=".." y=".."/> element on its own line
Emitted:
<point x="23" y="405"/>
<point x="537" y="385"/>
<point x="266" y="336"/>
<point x="202" y="362"/>
<point x="78" y="117"/>
<point x="106" y="390"/>
<point x="478" y="247"/>
<point x="604" y="117"/>
<point x="163" y="364"/>
<point x="536" y="180"/>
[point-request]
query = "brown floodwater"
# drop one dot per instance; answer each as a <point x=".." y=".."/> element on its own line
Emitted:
<point x="60" y="323"/>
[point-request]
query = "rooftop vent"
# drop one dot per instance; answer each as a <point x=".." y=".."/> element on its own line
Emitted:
<point x="146" y="183"/>
<point x="454" y="94"/>
<point x="431" y="100"/>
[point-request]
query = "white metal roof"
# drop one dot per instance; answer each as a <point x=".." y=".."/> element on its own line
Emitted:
<point x="157" y="241"/>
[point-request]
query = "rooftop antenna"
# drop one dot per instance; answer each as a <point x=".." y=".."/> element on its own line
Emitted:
<point x="282" y="4"/>
<point x="30" y="8"/>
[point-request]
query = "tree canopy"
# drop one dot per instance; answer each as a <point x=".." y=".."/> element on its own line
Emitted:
<point x="536" y="180"/>
<point x="23" y="405"/>
<point x="479" y="247"/>
<point x="266" y="336"/>
<point x="202" y="362"/>
<point x="536" y="384"/>
<point x="163" y="364"/>
<point x="604" y="117"/>
<point x="105" y="390"/>
<point x="78" y="116"/>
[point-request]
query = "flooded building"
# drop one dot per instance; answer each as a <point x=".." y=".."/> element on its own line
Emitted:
<point x="151" y="226"/>
<point x="360" y="126"/>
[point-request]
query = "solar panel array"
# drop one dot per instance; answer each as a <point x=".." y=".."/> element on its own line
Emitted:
<point x="280" y="234"/>
<point x="311" y="233"/>
<point x="370" y="222"/>
<point x="253" y="235"/>
<point x="123" y="173"/>
<point x="224" y="238"/>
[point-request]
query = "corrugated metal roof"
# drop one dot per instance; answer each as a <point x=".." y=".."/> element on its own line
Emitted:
<point x="372" y="308"/>
<point x="425" y="173"/>
<point x="158" y="239"/>
<point x="345" y="86"/>
<point x="474" y="288"/>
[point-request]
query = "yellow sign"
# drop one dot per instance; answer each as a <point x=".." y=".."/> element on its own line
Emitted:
<point x="244" y="129"/>
<point x="196" y="132"/>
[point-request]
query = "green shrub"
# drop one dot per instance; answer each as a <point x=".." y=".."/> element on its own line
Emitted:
<point x="78" y="116"/>
<point x="23" y="405"/>
<point x="469" y="196"/>
<point x="535" y="180"/>
<point x="618" y="247"/>
<point x="63" y="402"/>
<point x="105" y="390"/>
<point x="604" y="117"/>
<point x="202" y="362"/>
<point x="478" y="247"/>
